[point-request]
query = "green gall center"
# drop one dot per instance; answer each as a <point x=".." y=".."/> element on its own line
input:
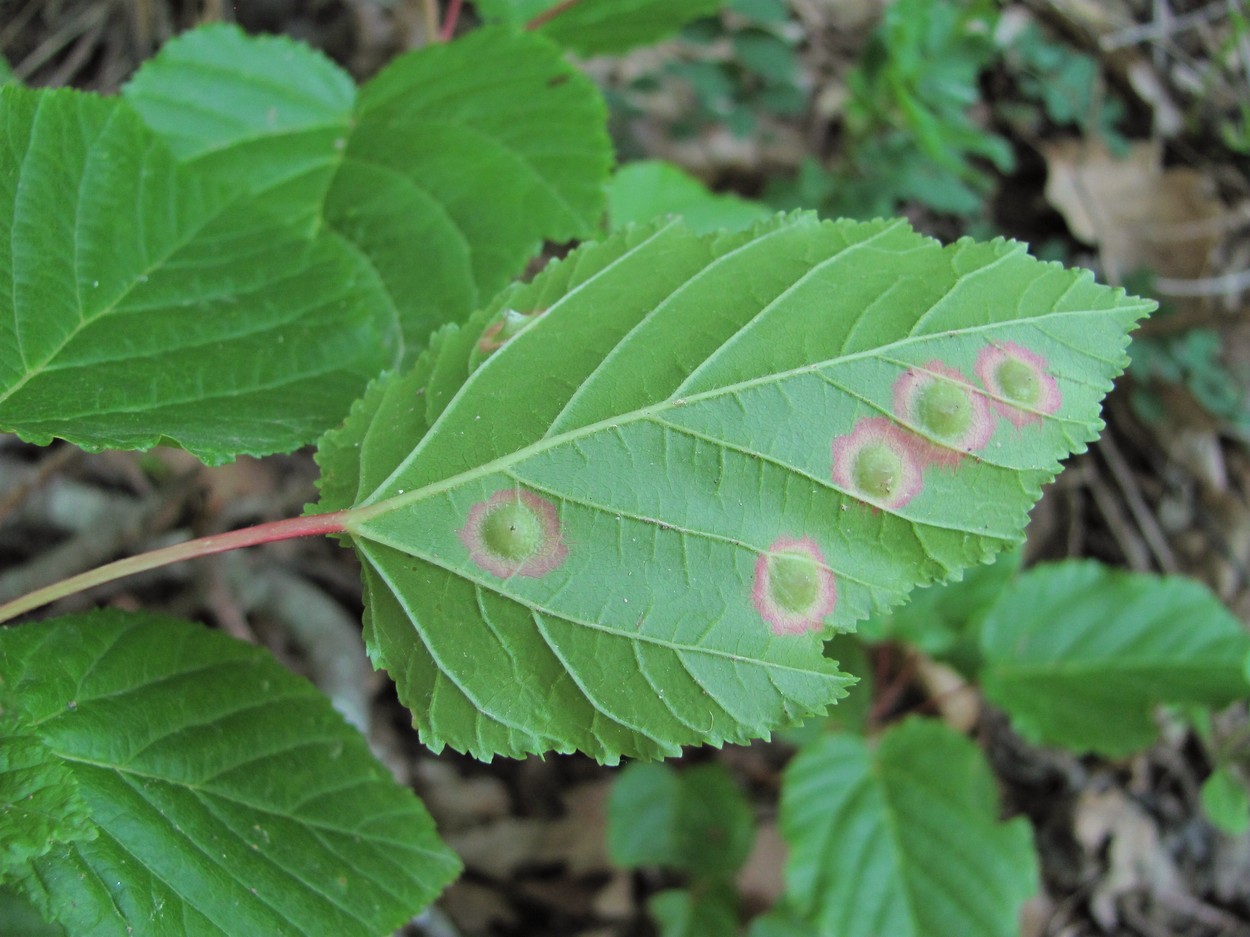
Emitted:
<point x="877" y="470"/>
<point x="512" y="531"/>
<point x="1019" y="381"/>
<point x="944" y="409"/>
<point x="793" y="581"/>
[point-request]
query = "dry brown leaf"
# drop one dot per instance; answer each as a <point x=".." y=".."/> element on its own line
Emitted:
<point x="1140" y="215"/>
<point x="456" y="802"/>
<point x="956" y="699"/>
<point x="579" y="838"/>
<point x="475" y="908"/>
<point x="760" y="881"/>
<point x="1136" y="859"/>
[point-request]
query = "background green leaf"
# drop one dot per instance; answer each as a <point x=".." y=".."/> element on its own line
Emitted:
<point x="1078" y="654"/>
<point x="228" y="796"/>
<point x="447" y="171"/>
<point x="686" y="913"/>
<point x="464" y="158"/>
<point x="603" y="27"/>
<point x="904" y="839"/>
<point x="668" y="404"/>
<point x="944" y="620"/>
<point x="143" y="304"/>
<point x="650" y="189"/>
<point x="263" y="113"/>
<point x="20" y="918"/>
<point x="696" y="821"/>
<point x="780" y="924"/>
<point x="1226" y="802"/>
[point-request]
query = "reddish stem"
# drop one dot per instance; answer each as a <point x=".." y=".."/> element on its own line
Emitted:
<point x="204" y="546"/>
<point x="449" y="21"/>
<point x="547" y="16"/>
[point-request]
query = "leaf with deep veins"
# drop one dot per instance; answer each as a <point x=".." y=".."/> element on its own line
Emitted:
<point x="158" y="778"/>
<point x="620" y="508"/>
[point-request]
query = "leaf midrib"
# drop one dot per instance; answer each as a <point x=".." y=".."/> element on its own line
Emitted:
<point x="368" y="508"/>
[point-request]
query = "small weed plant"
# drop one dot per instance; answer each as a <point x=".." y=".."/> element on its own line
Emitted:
<point x="630" y="505"/>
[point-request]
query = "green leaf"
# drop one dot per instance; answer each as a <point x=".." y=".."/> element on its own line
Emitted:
<point x="40" y="806"/>
<point x="762" y="11"/>
<point x="603" y="27"/>
<point x="652" y="188"/>
<point x="780" y="924"/>
<point x="624" y="530"/>
<point x="1079" y="654"/>
<point x="852" y="712"/>
<point x="904" y="839"/>
<point x="264" y="113"/>
<point x="944" y="620"/>
<point x="1226" y="802"/>
<point x="682" y="913"/>
<point x="447" y="171"/>
<point x="465" y="157"/>
<point x="227" y="794"/>
<point x="19" y="918"/>
<point x="142" y="304"/>
<point x="696" y="820"/>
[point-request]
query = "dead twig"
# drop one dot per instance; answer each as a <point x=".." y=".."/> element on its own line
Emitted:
<point x="54" y="463"/>
<point x="1147" y="523"/>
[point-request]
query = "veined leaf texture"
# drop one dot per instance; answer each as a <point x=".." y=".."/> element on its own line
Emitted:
<point x="620" y="509"/>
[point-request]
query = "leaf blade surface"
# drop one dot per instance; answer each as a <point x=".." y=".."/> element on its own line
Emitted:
<point x="144" y="304"/>
<point x="665" y="410"/>
<point x="224" y="794"/>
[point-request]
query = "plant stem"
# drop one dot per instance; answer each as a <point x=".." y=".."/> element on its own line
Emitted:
<point x="429" y="20"/>
<point x="449" y="21"/>
<point x="547" y="16"/>
<point x="190" y="549"/>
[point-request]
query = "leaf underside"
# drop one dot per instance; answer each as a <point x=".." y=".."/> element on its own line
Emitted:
<point x="663" y="413"/>
<point x="207" y="790"/>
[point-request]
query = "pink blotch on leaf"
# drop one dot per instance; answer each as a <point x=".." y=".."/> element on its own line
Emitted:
<point x="879" y="462"/>
<point x="1021" y="381"/>
<point x="514" y="533"/>
<point x="794" y="588"/>
<point x="942" y="401"/>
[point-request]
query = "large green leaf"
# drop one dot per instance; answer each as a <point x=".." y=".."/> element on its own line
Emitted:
<point x="617" y="511"/>
<point x="224" y="795"/>
<point x="902" y="839"/>
<point x="447" y="170"/>
<point x="1079" y="654"/>
<point x="598" y="27"/>
<point x="140" y="303"/>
